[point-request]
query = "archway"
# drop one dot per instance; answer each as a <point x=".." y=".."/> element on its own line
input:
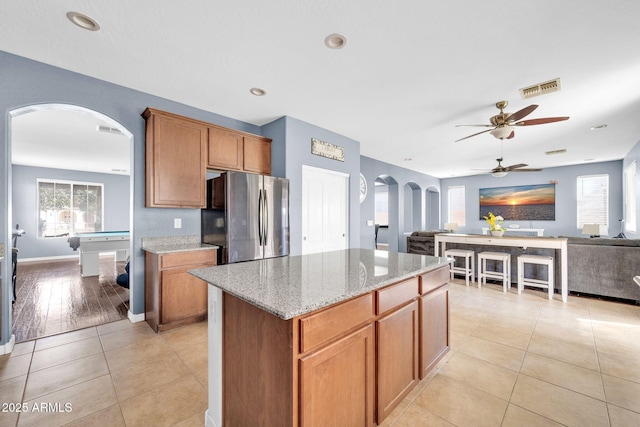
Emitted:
<point x="386" y="213"/>
<point x="72" y="148"/>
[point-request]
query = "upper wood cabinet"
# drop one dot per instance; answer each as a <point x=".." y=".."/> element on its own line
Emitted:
<point x="175" y="171"/>
<point x="233" y="150"/>
<point x="179" y="150"/>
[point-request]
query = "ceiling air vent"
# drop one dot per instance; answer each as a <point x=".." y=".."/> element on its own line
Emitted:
<point x="552" y="152"/>
<point x="541" y="88"/>
<point x="107" y="129"/>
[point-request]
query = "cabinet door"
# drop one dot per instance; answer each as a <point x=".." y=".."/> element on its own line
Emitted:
<point x="397" y="352"/>
<point x="337" y="383"/>
<point x="175" y="162"/>
<point x="257" y="155"/>
<point x="434" y="322"/>
<point x="226" y="150"/>
<point x="183" y="295"/>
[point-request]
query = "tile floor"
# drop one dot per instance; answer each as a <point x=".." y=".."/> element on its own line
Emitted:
<point x="516" y="360"/>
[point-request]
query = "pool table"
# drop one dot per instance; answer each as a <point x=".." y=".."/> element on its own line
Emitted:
<point x="91" y="244"/>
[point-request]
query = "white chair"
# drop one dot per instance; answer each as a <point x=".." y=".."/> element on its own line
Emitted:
<point x="538" y="260"/>
<point x="504" y="275"/>
<point x="469" y="269"/>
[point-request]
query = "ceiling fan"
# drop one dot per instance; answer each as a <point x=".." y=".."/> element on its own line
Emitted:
<point x="502" y="125"/>
<point x="500" y="171"/>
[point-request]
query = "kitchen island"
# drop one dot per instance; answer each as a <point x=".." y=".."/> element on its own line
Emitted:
<point x="335" y="338"/>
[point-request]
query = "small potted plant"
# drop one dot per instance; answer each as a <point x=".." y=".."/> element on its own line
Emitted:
<point x="494" y="224"/>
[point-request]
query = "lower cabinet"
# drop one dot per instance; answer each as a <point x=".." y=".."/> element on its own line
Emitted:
<point x="173" y="297"/>
<point x="397" y="367"/>
<point x="349" y="364"/>
<point x="347" y="399"/>
<point x="434" y="335"/>
<point x="434" y="318"/>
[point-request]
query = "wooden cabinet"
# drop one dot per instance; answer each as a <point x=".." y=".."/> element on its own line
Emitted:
<point x="175" y="172"/>
<point x="346" y="399"/>
<point x="349" y="364"/>
<point x="173" y="297"/>
<point x="397" y="345"/>
<point x="179" y="150"/>
<point x="434" y="319"/>
<point x="226" y="150"/>
<point x="233" y="150"/>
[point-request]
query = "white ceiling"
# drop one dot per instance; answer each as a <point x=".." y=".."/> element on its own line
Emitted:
<point x="410" y="71"/>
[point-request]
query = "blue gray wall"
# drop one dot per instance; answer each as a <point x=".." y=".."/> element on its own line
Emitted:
<point x="566" y="196"/>
<point x="371" y="169"/>
<point x="25" y="82"/>
<point x="25" y="207"/>
<point x="296" y="153"/>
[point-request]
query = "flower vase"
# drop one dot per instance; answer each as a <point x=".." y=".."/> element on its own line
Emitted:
<point x="497" y="233"/>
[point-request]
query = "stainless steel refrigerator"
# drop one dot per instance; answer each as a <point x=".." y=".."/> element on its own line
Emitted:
<point x="247" y="215"/>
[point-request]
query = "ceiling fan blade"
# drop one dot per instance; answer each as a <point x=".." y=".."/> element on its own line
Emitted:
<point x="521" y="113"/>
<point x="484" y="131"/>
<point x="540" y="121"/>
<point x="483" y="126"/>
<point x="511" y="135"/>
<point x="526" y="170"/>
<point x="519" y="165"/>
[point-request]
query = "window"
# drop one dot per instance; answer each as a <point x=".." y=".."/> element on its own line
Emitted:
<point x="593" y="200"/>
<point x="68" y="207"/>
<point x="630" y="198"/>
<point x="382" y="207"/>
<point x="456" y="205"/>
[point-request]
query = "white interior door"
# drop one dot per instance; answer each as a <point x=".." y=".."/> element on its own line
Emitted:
<point x="325" y="210"/>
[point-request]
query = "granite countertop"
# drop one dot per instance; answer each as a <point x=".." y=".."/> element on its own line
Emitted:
<point x="166" y="245"/>
<point x="1" y="250"/>
<point x="295" y="285"/>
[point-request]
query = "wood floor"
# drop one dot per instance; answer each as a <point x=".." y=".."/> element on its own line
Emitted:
<point x="52" y="297"/>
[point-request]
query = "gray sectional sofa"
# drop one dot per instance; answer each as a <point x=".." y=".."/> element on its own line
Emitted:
<point x="600" y="266"/>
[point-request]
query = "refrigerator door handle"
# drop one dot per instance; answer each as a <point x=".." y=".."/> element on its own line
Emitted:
<point x="260" y="217"/>
<point x="265" y="232"/>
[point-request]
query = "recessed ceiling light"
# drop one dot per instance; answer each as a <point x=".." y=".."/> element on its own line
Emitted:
<point x="335" y="41"/>
<point x="257" y="91"/>
<point x="598" y="127"/>
<point x="83" y="21"/>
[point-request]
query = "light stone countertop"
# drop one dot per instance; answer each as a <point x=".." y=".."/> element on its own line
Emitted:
<point x="1" y="250"/>
<point x="295" y="285"/>
<point x="166" y="245"/>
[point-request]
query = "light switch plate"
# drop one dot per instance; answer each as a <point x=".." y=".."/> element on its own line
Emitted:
<point x="177" y="222"/>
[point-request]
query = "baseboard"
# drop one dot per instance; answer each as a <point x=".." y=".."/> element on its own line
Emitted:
<point x="75" y="256"/>
<point x="135" y="318"/>
<point x="7" y="347"/>
<point x="208" y="421"/>
<point x="49" y="258"/>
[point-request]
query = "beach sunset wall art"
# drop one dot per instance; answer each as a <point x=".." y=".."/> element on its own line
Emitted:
<point x="521" y="202"/>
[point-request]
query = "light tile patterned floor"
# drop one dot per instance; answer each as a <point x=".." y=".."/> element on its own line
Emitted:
<point x="516" y="360"/>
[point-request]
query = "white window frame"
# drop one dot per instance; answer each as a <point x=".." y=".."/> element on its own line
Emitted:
<point x="629" y="195"/>
<point x="592" y="200"/>
<point x="456" y="201"/>
<point x="71" y="184"/>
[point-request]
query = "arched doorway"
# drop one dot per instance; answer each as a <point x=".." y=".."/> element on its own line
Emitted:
<point x="386" y="213"/>
<point x="69" y="170"/>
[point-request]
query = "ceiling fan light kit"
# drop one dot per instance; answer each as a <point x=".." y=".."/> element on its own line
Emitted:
<point x="503" y="124"/>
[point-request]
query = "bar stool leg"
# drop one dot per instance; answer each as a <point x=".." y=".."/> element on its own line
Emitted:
<point x="550" y="279"/>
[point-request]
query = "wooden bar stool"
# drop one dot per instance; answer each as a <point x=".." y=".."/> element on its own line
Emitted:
<point x="469" y="269"/>
<point x="538" y="260"/>
<point x="504" y="275"/>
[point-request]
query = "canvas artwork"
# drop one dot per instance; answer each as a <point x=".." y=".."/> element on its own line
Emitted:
<point x="520" y="203"/>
